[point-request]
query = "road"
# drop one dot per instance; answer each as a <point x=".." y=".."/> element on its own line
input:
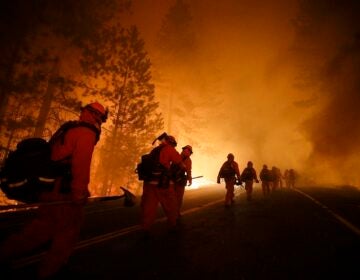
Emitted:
<point x="307" y="233"/>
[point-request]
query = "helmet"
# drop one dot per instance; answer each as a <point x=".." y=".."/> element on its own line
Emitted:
<point x="250" y="164"/>
<point x="160" y="138"/>
<point x="188" y="147"/>
<point x="170" y="140"/>
<point x="230" y="156"/>
<point x="97" y="109"/>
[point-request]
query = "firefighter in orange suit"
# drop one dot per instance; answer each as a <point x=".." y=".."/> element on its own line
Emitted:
<point x="249" y="176"/>
<point x="59" y="224"/>
<point x="160" y="189"/>
<point x="265" y="177"/>
<point x="183" y="176"/>
<point x="230" y="172"/>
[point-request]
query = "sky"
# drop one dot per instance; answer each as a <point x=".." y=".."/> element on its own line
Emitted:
<point x="274" y="84"/>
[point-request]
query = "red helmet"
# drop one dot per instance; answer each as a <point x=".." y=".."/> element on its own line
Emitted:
<point x="97" y="109"/>
<point x="188" y="147"/>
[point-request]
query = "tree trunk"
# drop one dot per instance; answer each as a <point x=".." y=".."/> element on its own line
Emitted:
<point x="46" y="104"/>
<point x="5" y="90"/>
<point x="108" y="181"/>
<point x="170" y="110"/>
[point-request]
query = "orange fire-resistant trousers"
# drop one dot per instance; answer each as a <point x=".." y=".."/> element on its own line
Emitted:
<point x="57" y="224"/>
<point x="275" y="185"/>
<point x="249" y="188"/>
<point x="265" y="187"/>
<point x="151" y="197"/>
<point x="179" y="191"/>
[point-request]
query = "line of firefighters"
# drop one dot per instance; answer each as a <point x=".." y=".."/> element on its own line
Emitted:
<point x="59" y="225"/>
<point x="168" y="190"/>
<point x="271" y="179"/>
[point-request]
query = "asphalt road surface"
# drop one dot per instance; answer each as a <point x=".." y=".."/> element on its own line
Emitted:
<point x="306" y="233"/>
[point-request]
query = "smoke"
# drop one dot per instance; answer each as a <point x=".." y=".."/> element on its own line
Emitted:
<point x="286" y="77"/>
<point x="332" y="31"/>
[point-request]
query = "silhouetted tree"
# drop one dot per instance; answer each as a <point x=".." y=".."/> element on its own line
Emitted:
<point x="120" y="68"/>
<point x="176" y="47"/>
<point x="188" y="88"/>
<point x="176" y="37"/>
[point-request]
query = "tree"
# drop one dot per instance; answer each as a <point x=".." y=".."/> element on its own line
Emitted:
<point x="39" y="84"/>
<point x="33" y="35"/>
<point x="176" y="38"/>
<point x="120" y="71"/>
<point x="176" y="45"/>
<point x="186" y="84"/>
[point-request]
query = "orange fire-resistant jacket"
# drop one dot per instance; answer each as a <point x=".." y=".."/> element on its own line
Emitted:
<point x="169" y="155"/>
<point x="78" y="148"/>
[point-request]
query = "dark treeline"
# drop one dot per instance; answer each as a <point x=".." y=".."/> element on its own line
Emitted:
<point x="55" y="55"/>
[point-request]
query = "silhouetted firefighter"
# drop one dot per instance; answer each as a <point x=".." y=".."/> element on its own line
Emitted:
<point x="231" y="174"/>
<point x="249" y="176"/>
<point x="265" y="177"/>
<point x="292" y="178"/>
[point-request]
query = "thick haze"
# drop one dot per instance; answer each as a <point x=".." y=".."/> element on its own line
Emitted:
<point x="287" y="79"/>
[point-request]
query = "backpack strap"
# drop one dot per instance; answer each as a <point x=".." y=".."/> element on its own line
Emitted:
<point x="91" y="127"/>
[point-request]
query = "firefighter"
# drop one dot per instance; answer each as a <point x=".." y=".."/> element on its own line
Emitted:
<point x="160" y="188"/>
<point x="292" y="178"/>
<point x="249" y="176"/>
<point x="275" y="176"/>
<point x="265" y="177"/>
<point x="59" y="224"/>
<point x="183" y="176"/>
<point x="230" y="172"/>
<point x="280" y="176"/>
<point x="286" y="178"/>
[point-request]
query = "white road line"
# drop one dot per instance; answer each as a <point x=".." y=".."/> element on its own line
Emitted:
<point x="108" y="236"/>
<point x="345" y="222"/>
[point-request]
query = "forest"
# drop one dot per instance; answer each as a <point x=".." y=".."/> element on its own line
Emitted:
<point x="212" y="74"/>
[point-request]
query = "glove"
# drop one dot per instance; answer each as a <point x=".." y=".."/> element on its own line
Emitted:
<point x="189" y="181"/>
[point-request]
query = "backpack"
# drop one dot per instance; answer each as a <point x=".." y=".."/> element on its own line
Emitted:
<point x="247" y="174"/>
<point x="265" y="175"/>
<point x="149" y="166"/>
<point x="227" y="170"/>
<point x="29" y="171"/>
